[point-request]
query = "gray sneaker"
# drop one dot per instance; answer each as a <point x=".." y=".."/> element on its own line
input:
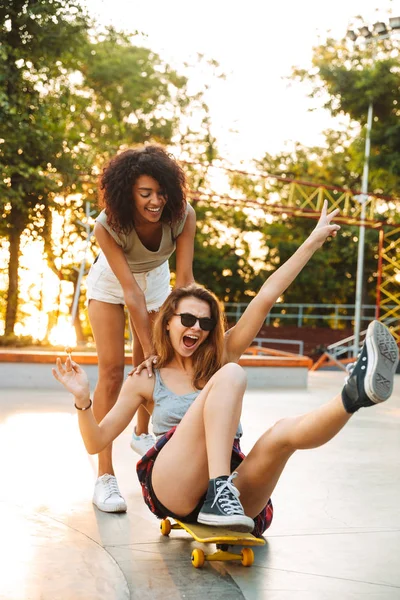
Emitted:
<point x="371" y="378"/>
<point x="222" y="507"/>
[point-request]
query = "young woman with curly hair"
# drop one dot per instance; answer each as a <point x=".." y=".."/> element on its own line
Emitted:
<point x="145" y="217"/>
<point x="196" y="470"/>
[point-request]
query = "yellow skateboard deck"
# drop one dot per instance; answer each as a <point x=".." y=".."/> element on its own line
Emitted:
<point x="220" y="536"/>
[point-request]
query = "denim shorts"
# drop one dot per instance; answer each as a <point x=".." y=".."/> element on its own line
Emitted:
<point x="102" y="284"/>
<point x="144" y="470"/>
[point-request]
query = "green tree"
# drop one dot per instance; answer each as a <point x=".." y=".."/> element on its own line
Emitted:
<point x="130" y="96"/>
<point x="127" y="94"/>
<point x="352" y="76"/>
<point x="122" y="95"/>
<point x="223" y="259"/>
<point x="40" y="44"/>
<point x="345" y="79"/>
<point x="69" y="104"/>
<point x="334" y="164"/>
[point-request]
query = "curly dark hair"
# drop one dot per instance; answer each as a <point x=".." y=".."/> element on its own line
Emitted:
<point x="120" y="174"/>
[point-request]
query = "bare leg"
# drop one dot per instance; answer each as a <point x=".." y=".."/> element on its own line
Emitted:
<point x="371" y="382"/>
<point x="261" y="469"/>
<point x="108" y="325"/>
<point x="186" y="463"/>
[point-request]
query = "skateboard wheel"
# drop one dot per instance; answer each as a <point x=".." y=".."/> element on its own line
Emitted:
<point x="247" y="557"/>
<point x="198" y="558"/>
<point x="165" y="526"/>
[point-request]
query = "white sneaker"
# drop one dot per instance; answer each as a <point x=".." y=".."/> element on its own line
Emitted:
<point x="142" y="443"/>
<point x="107" y="496"/>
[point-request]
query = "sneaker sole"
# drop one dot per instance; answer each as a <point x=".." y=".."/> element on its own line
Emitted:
<point x="383" y="356"/>
<point x="244" y="524"/>
<point x="119" y="508"/>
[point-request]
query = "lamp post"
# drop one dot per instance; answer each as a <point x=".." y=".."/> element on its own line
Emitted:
<point x="81" y="270"/>
<point x="380" y="31"/>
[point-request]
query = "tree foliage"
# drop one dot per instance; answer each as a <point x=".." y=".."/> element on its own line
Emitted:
<point x="40" y="43"/>
<point x="334" y="164"/>
<point x="345" y="78"/>
<point x="349" y="77"/>
<point x="223" y="259"/>
<point x="130" y="95"/>
<point x="70" y="97"/>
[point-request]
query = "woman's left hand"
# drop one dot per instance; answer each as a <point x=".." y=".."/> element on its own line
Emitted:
<point x="324" y="227"/>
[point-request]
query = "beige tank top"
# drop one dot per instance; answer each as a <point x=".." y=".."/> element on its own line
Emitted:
<point x="139" y="258"/>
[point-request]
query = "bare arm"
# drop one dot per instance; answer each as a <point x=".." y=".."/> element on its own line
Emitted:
<point x="184" y="251"/>
<point x="133" y="295"/>
<point x="239" y="337"/>
<point x="184" y="269"/>
<point x="97" y="436"/>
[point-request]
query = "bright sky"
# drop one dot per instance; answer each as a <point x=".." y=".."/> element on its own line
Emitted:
<point x="256" y="43"/>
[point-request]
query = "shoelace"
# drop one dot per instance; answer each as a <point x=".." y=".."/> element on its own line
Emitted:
<point x="350" y="368"/>
<point x="111" y="486"/>
<point x="225" y="492"/>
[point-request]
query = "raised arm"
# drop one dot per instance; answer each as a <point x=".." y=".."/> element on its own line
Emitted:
<point x="97" y="436"/>
<point x="133" y="295"/>
<point x="239" y="337"/>
<point x="184" y="251"/>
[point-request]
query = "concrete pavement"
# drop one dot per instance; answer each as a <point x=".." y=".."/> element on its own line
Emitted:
<point x="335" y="534"/>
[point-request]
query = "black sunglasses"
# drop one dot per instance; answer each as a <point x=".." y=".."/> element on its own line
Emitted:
<point x="188" y="320"/>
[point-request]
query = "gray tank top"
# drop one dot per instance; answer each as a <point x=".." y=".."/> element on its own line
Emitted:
<point x="169" y="408"/>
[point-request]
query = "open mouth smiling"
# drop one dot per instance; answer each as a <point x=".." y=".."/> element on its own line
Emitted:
<point x="190" y="340"/>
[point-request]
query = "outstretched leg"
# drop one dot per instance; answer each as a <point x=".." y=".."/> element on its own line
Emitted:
<point x="370" y="382"/>
<point x="260" y="471"/>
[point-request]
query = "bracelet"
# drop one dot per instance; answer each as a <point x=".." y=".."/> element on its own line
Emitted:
<point x="86" y="407"/>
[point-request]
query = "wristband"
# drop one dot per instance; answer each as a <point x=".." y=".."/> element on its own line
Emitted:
<point x="85" y="408"/>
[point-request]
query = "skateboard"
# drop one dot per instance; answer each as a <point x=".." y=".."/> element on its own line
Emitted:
<point x="222" y="537"/>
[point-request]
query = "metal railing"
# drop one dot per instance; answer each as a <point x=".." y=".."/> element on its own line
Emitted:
<point x="260" y="341"/>
<point x="332" y="315"/>
<point x="345" y="346"/>
<point x="340" y="352"/>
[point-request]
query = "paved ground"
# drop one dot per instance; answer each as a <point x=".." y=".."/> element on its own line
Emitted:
<point x="336" y="531"/>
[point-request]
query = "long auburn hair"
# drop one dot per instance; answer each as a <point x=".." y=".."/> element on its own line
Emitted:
<point x="207" y="359"/>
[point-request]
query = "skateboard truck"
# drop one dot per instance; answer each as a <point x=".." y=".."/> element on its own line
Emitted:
<point x="220" y="536"/>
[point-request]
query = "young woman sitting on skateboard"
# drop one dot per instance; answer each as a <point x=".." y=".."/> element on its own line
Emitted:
<point x="196" y="470"/>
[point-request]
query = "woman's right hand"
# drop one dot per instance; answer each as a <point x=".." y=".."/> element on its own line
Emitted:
<point x="149" y="363"/>
<point x="74" y="379"/>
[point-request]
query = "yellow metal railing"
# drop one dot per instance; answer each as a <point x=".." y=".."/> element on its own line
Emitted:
<point x="389" y="287"/>
<point x="306" y="200"/>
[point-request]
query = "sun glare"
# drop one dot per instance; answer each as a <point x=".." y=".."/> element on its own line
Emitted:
<point x="63" y="334"/>
<point x="44" y="300"/>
